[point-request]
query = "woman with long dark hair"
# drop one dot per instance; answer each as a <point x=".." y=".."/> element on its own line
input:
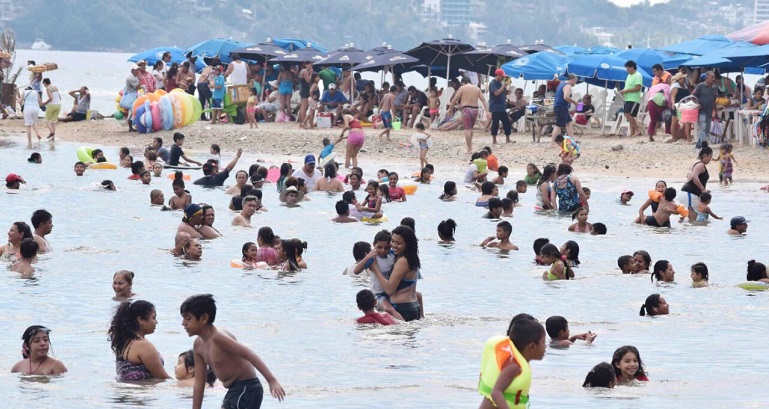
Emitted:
<point x="137" y="358"/>
<point x="401" y="286"/>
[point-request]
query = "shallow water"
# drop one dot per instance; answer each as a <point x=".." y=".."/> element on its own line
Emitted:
<point x="301" y="324"/>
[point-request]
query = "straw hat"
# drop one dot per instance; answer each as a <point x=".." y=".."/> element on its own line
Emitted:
<point x="677" y="77"/>
<point x="300" y="195"/>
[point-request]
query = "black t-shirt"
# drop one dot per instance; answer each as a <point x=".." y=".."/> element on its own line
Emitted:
<point x="420" y="99"/>
<point x="214" y="180"/>
<point x="176" y="153"/>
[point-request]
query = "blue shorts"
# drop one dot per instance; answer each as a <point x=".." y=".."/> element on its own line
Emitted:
<point x="562" y="116"/>
<point x="387" y="120"/>
<point x="216" y="103"/>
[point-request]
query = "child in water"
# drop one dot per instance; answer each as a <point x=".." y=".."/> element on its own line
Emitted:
<point x="726" y="162"/>
<point x="181" y="198"/>
<point x="505" y="373"/>
<point x="184" y="370"/>
<point x="384" y="259"/>
<point x="703" y="208"/>
<point x="250" y="257"/>
<point x="627" y="365"/>
<point x="601" y="376"/>
<point x="157" y="170"/>
<point x="34" y="350"/>
<point x="558" y="329"/>
<point x="532" y="174"/>
<point x="366" y="303"/>
<point x="504" y="229"/>
<point x="581" y="226"/>
<point x="501" y="175"/>
<point x="372" y="203"/>
<point x="28" y="250"/>
<point x="558" y="270"/>
<point x="699" y="275"/>
<point x="538" y="244"/>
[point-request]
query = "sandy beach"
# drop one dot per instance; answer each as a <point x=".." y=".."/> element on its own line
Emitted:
<point x="637" y="157"/>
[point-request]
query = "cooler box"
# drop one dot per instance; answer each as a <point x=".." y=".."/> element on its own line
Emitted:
<point x="324" y="120"/>
<point x="531" y="109"/>
<point x="238" y="93"/>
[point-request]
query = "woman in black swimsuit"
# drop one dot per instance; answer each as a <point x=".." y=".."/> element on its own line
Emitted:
<point x="697" y="180"/>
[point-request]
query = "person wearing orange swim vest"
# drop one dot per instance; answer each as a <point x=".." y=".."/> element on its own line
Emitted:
<point x="505" y="373"/>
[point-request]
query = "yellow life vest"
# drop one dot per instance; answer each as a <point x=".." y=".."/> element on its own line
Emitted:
<point x="496" y="352"/>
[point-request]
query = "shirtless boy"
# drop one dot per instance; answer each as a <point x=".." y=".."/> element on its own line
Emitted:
<point x="232" y="362"/>
<point x="504" y="229"/>
<point x="386" y="108"/>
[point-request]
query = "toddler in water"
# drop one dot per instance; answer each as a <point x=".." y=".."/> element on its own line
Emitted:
<point x="250" y="257"/>
<point x="181" y="197"/>
<point x="558" y="329"/>
<point x="184" y="370"/>
<point x="366" y="303"/>
<point x="626" y="264"/>
<point x="703" y="208"/>
<point x="251" y="109"/>
<point x="581" y="226"/>
<point x="601" y="376"/>
<point x="627" y="364"/>
<point x="28" y="249"/>
<point x="699" y="275"/>
<point x="422" y="139"/>
<point x="726" y="162"/>
<point x="372" y="203"/>
<point x="558" y="270"/>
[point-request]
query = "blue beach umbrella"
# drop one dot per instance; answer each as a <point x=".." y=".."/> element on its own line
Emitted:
<point x="539" y="66"/>
<point x="154" y="55"/>
<point x="647" y="57"/>
<point x="259" y="52"/>
<point x="291" y="44"/>
<point x="570" y="49"/>
<point x="601" y="49"/>
<point x="700" y="45"/>
<point x="221" y="47"/>
<point x="602" y="69"/>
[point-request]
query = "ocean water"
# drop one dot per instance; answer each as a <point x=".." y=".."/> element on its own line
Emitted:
<point x="706" y="353"/>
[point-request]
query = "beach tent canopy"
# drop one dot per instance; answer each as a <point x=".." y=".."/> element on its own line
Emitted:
<point x="484" y="60"/>
<point x="291" y="44"/>
<point x="344" y="57"/>
<point x="259" y="52"/>
<point x="393" y="60"/>
<point x="440" y="52"/>
<point x="308" y="54"/>
<point x="539" y="66"/>
<point x="733" y="59"/>
<point x="647" y="57"/>
<point x="700" y="45"/>
<point x="217" y="47"/>
<point x="757" y="34"/>
<point x="602" y="69"/>
<point x="154" y="55"/>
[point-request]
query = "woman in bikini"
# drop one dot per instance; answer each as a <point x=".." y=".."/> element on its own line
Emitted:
<point x="137" y="358"/>
<point x="355" y="138"/>
<point x="34" y="350"/>
<point x="401" y="285"/>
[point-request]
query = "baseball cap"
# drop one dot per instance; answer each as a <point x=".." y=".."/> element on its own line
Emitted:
<point x="140" y="62"/>
<point x="12" y="177"/>
<point x="310" y="158"/>
<point x="499" y="71"/>
<point x="627" y="191"/>
<point x="257" y="179"/>
<point x="332" y="86"/>
<point x="738" y="220"/>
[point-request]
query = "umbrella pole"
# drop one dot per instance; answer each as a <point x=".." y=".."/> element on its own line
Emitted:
<point x="605" y="109"/>
<point x="448" y="74"/>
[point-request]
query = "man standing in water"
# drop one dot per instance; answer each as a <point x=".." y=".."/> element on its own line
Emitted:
<point x="42" y="222"/>
<point x="467" y="96"/>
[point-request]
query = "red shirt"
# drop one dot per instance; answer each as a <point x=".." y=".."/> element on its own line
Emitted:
<point x="638" y="378"/>
<point x="377" y="318"/>
<point x="492" y="162"/>
<point x="134" y="177"/>
<point x="397" y="193"/>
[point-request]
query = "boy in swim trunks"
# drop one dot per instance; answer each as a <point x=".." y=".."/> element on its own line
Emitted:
<point x="386" y="112"/>
<point x="433" y="104"/>
<point x="232" y="362"/>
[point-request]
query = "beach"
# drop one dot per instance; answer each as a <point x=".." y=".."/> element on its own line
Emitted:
<point x="286" y="141"/>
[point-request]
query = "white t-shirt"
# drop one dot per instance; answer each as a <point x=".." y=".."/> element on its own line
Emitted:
<point x="309" y="181"/>
<point x="158" y="75"/>
<point x="469" y="174"/>
<point x="386" y="267"/>
<point x="239" y="74"/>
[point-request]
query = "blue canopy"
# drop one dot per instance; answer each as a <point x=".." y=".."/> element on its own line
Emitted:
<point x="600" y="69"/>
<point x="221" y="47"/>
<point x="292" y="44"/>
<point x="733" y="58"/>
<point x="601" y="49"/>
<point x="700" y="45"/>
<point x="538" y="66"/>
<point x="154" y="55"/>
<point x="647" y="57"/>
<point x="570" y="49"/>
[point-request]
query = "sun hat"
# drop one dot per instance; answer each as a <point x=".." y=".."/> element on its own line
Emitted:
<point x="291" y="189"/>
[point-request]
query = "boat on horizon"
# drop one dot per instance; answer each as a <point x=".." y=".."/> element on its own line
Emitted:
<point x="40" y="45"/>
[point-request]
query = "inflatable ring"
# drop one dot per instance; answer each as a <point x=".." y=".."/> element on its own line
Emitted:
<point x="138" y="123"/>
<point x="236" y="263"/>
<point x="84" y="155"/>
<point x="184" y="176"/>
<point x="187" y="108"/>
<point x="409" y="188"/>
<point x="182" y="167"/>
<point x="157" y="122"/>
<point x="103" y="165"/>
<point x="166" y="112"/>
<point x="327" y="159"/>
<point x="754" y="285"/>
<point x="372" y="220"/>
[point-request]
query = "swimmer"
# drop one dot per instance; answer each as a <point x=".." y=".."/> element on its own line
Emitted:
<point x="501" y="175"/>
<point x="301" y="246"/>
<point x="288" y="254"/>
<point x="207" y="229"/>
<point x="136" y="357"/>
<point x="42" y="222"/>
<point x="757" y="272"/>
<point x="507" y="207"/>
<point x="157" y="198"/>
<point x="145" y="177"/>
<point x="249" y="255"/>
<point x="384" y="259"/>
<point x="558" y="329"/>
<point x="232" y="362"/>
<point x="643" y="262"/>
<point x="570" y="250"/>
<point x="521" y="186"/>
<point x="266" y="240"/>
<point x="425" y="176"/>
<point x="504" y="229"/>
<point x="599" y="229"/>
<point x="79" y="168"/>
<point x="532" y="174"/>
<point x="136" y="169"/>
<point x="739" y="225"/>
<point x="372" y="203"/>
<point x="626" y="264"/>
<point x="126" y="162"/>
<point x="241" y="178"/>
<point x="558" y="270"/>
<point x="151" y="159"/>
<point x="291" y="196"/>
<point x="184" y="370"/>
<point x="177" y="152"/>
<point x="514" y="196"/>
<point x="699" y="275"/>
<point x="34" y="350"/>
<point x="97" y="155"/>
<point x="663" y="271"/>
<point x="581" y="226"/>
<point x="249" y="208"/>
<point x="654" y="305"/>
<point x="108" y="185"/>
<point x="488" y="190"/>
<point x="124" y="152"/>
<point x="28" y="253"/>
<point x="343" y="213"/>
<point x="495" y="209"/>
<point x="157" y="170"/>
<point x="382" y="175"/>
<point x="179" y="241"/>
<point x="192" y="250"/>
<point x="18" y="232"/>
<point x="410" y="223"/>
<point x="601" y="376"/>
<point x="35" y="158"/>
<point x="666" y="208"/>
<point x="625" y="196"/>
<point x="354" y="180"/>
<point x="191" y="221"/>
<point x="181" y="198"/>
<point x="538" y="244"/>
<point x="397" y="194"/>
<point x="367" y="302"/>
<point x="14" y="181"/>
<point x="122" y="285"/>
<point x="703" y="208"/>
<point x="446" y="230"/>
<point x="627" y="365"/>
<point x="660" y="188"/>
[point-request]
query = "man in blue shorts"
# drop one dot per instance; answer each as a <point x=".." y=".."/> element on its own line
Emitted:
<point x="562" y="101"/>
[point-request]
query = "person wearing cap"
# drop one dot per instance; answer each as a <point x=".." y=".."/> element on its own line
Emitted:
<point x="467" y="97"/>
<point x="14" y="181"/>
<point x="34" y="350"/>
<point x="146" y="79"/>
<point x="291" y="196"/>
<point x="561" y="105"/>
<point x="191" y="221"/>
<point x="130" y="94"/>
<point x="215" y="177"/>
<point x="739" y="225"/>
<point x="498" y="89"/>
<point x="333" y="100"/>
<point x="308" y="173"/>
<point x="625" y="196"/>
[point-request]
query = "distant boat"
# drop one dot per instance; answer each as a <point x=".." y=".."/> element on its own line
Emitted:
<point x="40" y="45"/>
